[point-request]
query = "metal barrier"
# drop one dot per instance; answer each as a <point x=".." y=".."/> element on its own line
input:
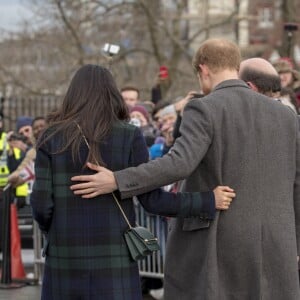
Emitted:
<point x="152" y="266"/>
<point x="38" y="260"/>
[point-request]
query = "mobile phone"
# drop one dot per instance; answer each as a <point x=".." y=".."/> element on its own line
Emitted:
<point x="197" y="95"/>
<point x="163" y="72"/>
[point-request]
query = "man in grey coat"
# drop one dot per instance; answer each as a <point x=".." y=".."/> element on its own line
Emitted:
<point x="236" y="137"/>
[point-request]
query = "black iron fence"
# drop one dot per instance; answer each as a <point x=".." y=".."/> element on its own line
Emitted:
<point x="14" y="107"/>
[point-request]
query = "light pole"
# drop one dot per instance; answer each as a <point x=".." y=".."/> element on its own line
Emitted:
<point x="290" y="28"/>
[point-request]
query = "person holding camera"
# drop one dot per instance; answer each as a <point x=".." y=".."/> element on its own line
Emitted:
<point x="21" y="140"/>
<point x="24" y="171"/>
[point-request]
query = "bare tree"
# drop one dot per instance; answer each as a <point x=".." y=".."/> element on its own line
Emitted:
<point x="66" y="34"/>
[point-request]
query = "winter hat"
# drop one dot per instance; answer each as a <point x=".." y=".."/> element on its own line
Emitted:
<point x="23" y="121"/>
<point x="283" y="65"/>
<point x="141" y="109"/>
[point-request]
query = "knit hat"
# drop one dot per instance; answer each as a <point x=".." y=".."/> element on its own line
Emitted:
<point x="141" y="109"/>
<point x="283" y="66"/>
<point x="23" y="121"/>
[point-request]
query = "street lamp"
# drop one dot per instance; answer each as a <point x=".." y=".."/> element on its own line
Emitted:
<point x="290" y="28"/>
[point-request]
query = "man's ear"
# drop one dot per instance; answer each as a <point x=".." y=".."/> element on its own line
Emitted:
<point x="204" y="69"/>
<point x="252" y="86"/>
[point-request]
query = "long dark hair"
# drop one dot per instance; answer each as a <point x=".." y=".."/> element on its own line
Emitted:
<point x="94" y="103"/>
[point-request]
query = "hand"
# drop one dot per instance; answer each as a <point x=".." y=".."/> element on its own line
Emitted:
<point x="18" y="144"/>
<point x="15" y="179"/>
<point x="179" y="106"/>
<point x="223" y="197"/>
<point x="169" y="137"/>
<point x="102" y="182"/>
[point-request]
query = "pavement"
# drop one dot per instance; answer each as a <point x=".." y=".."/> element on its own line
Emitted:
<point x="28" y="291"/>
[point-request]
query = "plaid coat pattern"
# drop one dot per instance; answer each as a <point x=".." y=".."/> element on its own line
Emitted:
<point x="86" y="255"/>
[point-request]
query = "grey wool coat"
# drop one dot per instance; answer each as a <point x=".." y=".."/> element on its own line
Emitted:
<point x="236" y="137"/>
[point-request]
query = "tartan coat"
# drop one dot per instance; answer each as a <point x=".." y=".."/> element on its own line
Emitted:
<point x="86" y="256"/>
<point x="240" y="138"/>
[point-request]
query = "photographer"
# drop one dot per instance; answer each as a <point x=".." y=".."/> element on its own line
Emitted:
<point x="24" y="172"/>
<point x="21" y="142"/>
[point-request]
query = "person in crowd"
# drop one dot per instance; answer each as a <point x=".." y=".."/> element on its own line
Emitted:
<point x="161" y="85"/>
<point x="86" y="255"/>
<point x="38" y="126"/>
<point x="131" y="95"/>
<point x="149" y="106"/>
<point x="288" y="97"/>
<point x="24" y="128"/>
<point x="140" y="117"/>
<point x="236" y="136"/>
<point x="172" y="132"/>
<point x="260" y="76"/>
<point x="289" y="76"/>
<point x="10" y="158"/>
<point x="21" y="140"/>
<point x="25" y="171"/>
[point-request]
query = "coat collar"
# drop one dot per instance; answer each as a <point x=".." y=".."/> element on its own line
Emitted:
<point x="231" y="83"/>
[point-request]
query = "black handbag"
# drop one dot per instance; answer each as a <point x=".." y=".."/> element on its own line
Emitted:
<point x="140" y="241"/>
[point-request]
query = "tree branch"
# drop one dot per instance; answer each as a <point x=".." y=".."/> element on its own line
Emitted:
<point x="72" y="31"/>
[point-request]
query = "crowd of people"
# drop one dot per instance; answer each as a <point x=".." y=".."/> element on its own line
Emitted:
<point x="236" y="138"/>
<point x="160" y="122"/>
<point x="17" y="154"/>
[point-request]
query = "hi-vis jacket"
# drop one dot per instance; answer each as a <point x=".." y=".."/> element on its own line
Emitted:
<point x="22" y="190"/>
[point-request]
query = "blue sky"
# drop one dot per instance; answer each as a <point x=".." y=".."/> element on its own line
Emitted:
<point x="12" y="11"/>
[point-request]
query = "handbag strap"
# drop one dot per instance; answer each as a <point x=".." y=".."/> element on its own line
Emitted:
<point x="97" y="163"/>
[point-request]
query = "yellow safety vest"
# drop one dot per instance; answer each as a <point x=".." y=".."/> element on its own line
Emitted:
<point x="21" y="190"/>
<point x="4" y="171"/>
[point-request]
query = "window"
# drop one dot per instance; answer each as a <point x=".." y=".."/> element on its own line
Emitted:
<point x="265" y="18"/>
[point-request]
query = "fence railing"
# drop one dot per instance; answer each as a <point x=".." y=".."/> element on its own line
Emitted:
<point x="14" y="107"/>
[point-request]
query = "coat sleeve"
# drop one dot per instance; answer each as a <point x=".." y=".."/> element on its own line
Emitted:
<point x="189" y="149"/>
<point x="170" y="204"/>
<point x="41" y="198"/>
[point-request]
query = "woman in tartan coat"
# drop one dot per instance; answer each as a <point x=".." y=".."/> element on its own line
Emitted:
<point x="86" y="255"/>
